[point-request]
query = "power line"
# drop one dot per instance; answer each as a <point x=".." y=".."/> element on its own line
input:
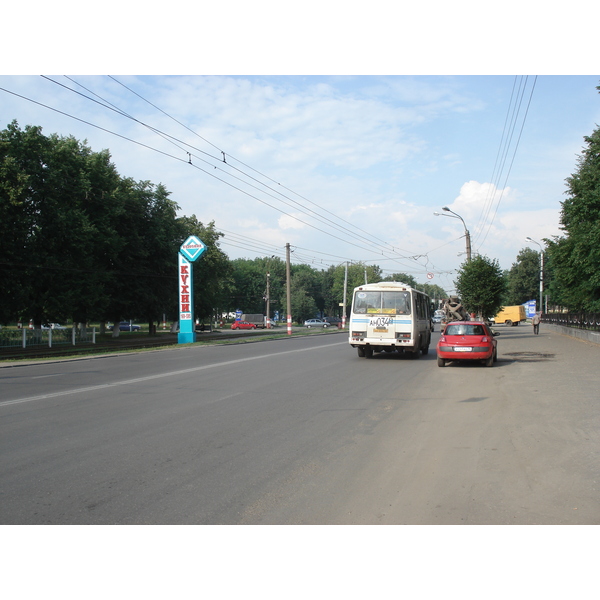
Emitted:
<point x="496" y="183"/>
<point x="304" y="210"/>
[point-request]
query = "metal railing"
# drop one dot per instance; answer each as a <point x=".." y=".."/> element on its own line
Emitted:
<point x="24" y="338"/>
<point x="589" y="321"/>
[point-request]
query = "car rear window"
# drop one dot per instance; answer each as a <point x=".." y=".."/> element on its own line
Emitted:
<point x="464" y="330"/>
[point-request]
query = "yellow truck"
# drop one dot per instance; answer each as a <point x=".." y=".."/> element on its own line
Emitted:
<point x="511" y="315"/>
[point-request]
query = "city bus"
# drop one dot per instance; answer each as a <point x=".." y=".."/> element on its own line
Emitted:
<point x="390" y="317"/>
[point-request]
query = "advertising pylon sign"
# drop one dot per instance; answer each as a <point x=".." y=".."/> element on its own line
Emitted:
<point x="190" y="250"/>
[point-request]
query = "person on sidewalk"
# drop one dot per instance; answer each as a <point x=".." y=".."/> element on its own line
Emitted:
<point x="535" y="321"/>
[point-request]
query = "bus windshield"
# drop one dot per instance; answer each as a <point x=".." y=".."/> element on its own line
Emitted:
<point x="388" y="303"/>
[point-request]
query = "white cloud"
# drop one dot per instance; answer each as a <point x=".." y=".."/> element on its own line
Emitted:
<point x="291" y="222"/>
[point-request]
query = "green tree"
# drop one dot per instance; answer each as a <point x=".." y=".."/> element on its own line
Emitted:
<point x="575" y="257"/>
<point x="357" y="273"/>
<point x="435" y="293"/>
<point x="523" y="278"/>
<point x="480" y="286"/>
<point x="49" y="239"/>
<point x="305" y="292"/>
<point x="249" y="282"/>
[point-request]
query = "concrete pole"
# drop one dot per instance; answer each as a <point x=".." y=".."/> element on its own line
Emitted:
<point x="288" y="289"/>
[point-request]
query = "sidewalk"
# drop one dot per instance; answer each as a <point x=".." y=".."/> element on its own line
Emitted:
<point x="581" y="334"/>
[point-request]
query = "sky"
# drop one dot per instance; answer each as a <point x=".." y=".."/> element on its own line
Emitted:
<point x="344" y="158"/>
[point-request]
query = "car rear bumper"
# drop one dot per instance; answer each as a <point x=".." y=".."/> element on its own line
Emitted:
<point x="465" y="355"/>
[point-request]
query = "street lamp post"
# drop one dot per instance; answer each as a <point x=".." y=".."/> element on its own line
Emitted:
<point x="467" y="234"/>
<point x="541" y="272"/>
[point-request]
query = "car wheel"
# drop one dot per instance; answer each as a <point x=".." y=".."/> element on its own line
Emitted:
<point x="441" y="362"/>
<point x="325" y="326"/>
<point x="490" y="361"/>
<point x="308" y="327"/>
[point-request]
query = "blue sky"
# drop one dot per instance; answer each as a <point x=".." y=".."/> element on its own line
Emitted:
<point x="349" y="167"/>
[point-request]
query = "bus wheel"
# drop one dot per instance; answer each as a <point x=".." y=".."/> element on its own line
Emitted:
<point x="508" y="323"/>
<point x="425" y="350"/>
<point x="361" y="351"/>
<point x="369" y="352"/>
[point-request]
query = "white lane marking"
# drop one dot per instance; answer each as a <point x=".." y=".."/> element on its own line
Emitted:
<point x="159" y="376"/>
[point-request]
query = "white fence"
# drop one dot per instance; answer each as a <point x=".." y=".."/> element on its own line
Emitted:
<point x="25" y="338"/>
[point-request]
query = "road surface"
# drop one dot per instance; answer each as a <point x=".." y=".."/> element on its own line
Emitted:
<point x="302" y="431"/>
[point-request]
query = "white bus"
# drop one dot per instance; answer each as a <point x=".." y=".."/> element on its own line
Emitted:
<point x="390" y="317"/>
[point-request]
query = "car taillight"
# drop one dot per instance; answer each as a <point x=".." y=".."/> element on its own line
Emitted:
<point x="485" y="340"/>
<point x="443" y="339"/>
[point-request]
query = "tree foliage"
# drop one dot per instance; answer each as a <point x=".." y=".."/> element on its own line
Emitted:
<point x="523" y="278"/>
<point x="480" y="286"/>
<point x="575" y="257"/>
<point x="78" y="241"/>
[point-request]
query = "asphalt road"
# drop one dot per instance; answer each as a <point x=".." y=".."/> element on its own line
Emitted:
<point x="301" y="430"/>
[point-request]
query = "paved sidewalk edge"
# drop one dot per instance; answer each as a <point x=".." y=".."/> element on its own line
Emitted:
<point x="581" y="334"/>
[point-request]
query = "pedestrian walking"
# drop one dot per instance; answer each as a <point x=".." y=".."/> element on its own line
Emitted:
<point x="536" y="323"/>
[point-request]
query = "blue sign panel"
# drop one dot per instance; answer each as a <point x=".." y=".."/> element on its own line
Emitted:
<point x="192" y="248"/>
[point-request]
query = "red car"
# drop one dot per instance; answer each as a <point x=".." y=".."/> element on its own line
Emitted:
<point x="467" y="340"/>
<point x="242" y="325"/>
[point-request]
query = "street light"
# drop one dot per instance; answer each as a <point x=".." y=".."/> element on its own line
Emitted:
<point x="467" y="234"/>
<point x="541" y="272"/>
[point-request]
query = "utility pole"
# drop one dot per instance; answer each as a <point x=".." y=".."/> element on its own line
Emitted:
<point x="288" y="289"/>
<point x="268" y="302"/>
<point x="345" y="286"/>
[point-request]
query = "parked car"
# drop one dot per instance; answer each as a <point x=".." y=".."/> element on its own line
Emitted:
<point x="271" y="323"/>
<point x="242" y="325"/>
<point x="316" y="323"/>
<point x="467" y="340"/>
<point x="52" y="326"/>
<point x="332" y="320"/>
<point x="126" y="326"/>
